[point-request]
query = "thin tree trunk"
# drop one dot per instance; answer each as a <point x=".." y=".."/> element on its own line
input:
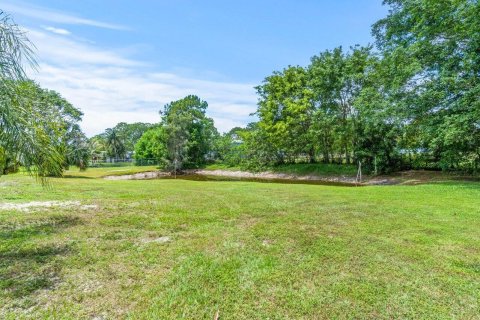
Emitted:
<point x="311" y="155"/>
<point x="347" y="155"/>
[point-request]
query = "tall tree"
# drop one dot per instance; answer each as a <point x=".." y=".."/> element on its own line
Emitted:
<point x="336" y="79"/>
<point x="55" y="121"/>
<point x="438" y="43"/>
<point x="190" y="133"/>
<point x="285" y="110"/>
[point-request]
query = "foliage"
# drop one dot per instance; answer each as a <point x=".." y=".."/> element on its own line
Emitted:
<point x="125" y="137"/>
<point x="98" y="147"/>
<point x="229" y="147"/>
<point x="57" y="141"/>
<point x="414" y="103"/>
<point x="114" y="144"/>
<point x="131" y="133"/>
<point x="438" y="45"/>
<point x="336" y="80"/>
<point x="27" y="133"/>
<point x="285" y="111"/>
<point x="310" y="114"/>
<point x="74" y="145"/>
<point x="190" y="134"/>
<point x="79" y="150"/>
<point x="152" y="145"/>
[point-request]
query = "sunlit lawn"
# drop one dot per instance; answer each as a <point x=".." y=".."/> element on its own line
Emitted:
<point x="112" y="171"/>
<point x="168" y="249"/>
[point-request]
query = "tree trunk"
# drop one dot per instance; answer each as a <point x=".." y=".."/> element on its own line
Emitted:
<point x="347" y="155"/>
<point x="311" y="155"/>
<point x="326" y="157"/>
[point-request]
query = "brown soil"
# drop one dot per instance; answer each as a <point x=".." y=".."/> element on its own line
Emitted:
<point x="411" y="177"/>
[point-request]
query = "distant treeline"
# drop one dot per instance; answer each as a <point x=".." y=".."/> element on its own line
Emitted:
<point x="410" y="101"/>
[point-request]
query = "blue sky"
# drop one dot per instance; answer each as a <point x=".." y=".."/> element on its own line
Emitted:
<point x="123" y="60"/>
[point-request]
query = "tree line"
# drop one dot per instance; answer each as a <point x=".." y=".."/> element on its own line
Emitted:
<point x="410" y="100"/>
<point x="117" y="143"/>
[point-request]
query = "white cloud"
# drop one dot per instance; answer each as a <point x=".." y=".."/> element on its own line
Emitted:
<point x="110" y="88"/>
<point x="67" y="52"/>
<point x="60" y="31"/>
<point x="44" y="14"/>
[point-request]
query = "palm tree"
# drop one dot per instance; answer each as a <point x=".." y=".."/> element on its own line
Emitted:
<point x="25" y="133"/>
<point x="115" y="146"/>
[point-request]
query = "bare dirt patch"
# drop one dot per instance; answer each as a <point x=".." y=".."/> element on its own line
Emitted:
<point x="39" y="205"/>
<point x="139" y="176"/>
<point x="163" y="239"/>
<point x="274" y="176"/>
<point x="404" y="177"/>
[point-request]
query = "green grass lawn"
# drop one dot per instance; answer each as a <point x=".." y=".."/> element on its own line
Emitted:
<point x="176" y="249"/>
<point x="107" y="171"/>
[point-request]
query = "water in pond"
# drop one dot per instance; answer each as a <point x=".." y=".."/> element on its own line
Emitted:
<point x="199" y="177"/>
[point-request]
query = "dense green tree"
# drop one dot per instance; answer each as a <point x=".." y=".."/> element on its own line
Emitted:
<point x="336" y="79"/>
<point x="98" y="145"/>
<point x="116" y="142"/>
<point x="190" y="133"/>
<point x="152" y="145"/>
<point x="229" y="147"/>
<point x="74" y="145"/>
<point x="438" y="45"/>
<point x="308" y="113"/>
<point x="285" y="110"/>
<point x="257" y="152"/>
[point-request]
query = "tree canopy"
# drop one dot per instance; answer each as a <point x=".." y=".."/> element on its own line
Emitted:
<point x="116" y="142"/>
<point x="152" y="145"/>
<point x="38" y="128"/>
<point x="189" y="132"/>
<point x="413" y="101"/>
<point x="21" y="136"/>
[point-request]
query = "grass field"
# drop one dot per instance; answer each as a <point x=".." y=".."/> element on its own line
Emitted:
<point x="176" y="249"/>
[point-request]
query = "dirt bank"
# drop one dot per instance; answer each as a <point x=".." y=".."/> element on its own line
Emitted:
<point x="259" y="176"/>
<point x="410" y="177"/>
<point x="270" y="175"/>
<point x="139" y="176"/>
<point x="405" y="177"/>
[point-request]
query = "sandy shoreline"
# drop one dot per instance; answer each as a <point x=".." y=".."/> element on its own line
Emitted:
<point x="260" y="175"/>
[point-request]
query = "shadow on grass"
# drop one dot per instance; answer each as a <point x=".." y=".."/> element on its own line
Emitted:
<point x="71" y="176"/>
<point x="25" y="265"/>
